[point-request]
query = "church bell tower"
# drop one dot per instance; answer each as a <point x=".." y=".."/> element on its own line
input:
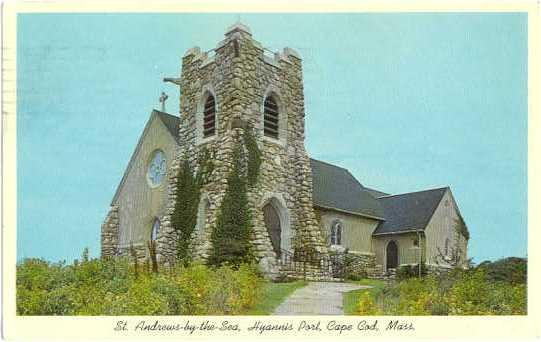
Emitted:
<point x="241" y="84"/>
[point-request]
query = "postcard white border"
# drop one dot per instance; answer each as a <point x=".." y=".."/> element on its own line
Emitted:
<point x="21" y="327"/>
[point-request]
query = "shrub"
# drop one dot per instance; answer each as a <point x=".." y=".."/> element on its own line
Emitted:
<point x="184" y="215"/>
<point x="511" y="270"/>
<point x="231" y="236"/>
<point x="141" y="299"/>
<point x="109" y="287"/>
<point x="366" y="305"/>
<point x="410" y="271"/>
<point x="457" y="292"/>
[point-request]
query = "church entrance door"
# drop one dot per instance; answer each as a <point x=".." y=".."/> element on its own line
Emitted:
<point x="272" y="222"/>
<point x="392" y="255"/>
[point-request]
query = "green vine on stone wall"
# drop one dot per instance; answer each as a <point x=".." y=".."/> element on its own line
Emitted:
<point x="206" y="166"/>
<point x="188" y="192"/>
<point x="184" y="215"/>
<point x="231" y="236"/>
<point x="254" y="156"/>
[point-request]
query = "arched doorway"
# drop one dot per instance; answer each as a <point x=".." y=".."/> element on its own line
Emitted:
<point x="392" y="255"/>
<point x="272" y="222"/>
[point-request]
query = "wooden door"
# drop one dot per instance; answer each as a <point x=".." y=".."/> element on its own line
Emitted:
<point x="392" y="255"/>
<point x="272" y="222"/>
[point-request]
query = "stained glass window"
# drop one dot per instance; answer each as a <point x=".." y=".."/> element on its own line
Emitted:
<point x="336" y="233"/>
<point x="155" y="229"/>
<point x="156" y="169"/>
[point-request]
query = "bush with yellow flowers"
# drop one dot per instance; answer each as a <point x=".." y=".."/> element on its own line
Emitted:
<point x="112" y="287"/>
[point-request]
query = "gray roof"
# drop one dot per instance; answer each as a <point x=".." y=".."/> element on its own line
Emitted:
<point x="376" y="193"/>
<point x="407" y="212"/>
<point x="170" y="121"/>
<point x="335" y="188"/>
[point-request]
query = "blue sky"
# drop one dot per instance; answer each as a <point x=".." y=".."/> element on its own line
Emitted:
<point x="404" y="101"/>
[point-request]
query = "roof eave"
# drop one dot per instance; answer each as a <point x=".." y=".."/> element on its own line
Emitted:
<point x="349" y="212"/>
<point x="400" y="232"/>
<point x="153" y="115"/>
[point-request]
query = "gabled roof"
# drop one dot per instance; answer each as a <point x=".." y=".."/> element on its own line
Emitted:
<point x="408" y="212"/>
<point x="376" y="193"/>
<point x="335" y="188"/>
<point x="169" y="121"/>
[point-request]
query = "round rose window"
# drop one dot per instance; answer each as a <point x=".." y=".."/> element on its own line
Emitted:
<point x="156" y="169"/>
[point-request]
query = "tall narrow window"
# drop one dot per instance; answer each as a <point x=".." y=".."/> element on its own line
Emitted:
<point x="270" y="117"/>
<point x="336" y="233"/>
<point x="209" y="117"/>
<point x="446" y="247"/>
<point x="155" y="229"/>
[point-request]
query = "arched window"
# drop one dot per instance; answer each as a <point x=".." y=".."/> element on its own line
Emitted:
<point x="157" y="168"/>
<point x="270" y="117"/>
<point x="209" y="116"/>
<point x="391" y="255"/>
<point x="155" y="229"/>
<point x="336" y="233"/>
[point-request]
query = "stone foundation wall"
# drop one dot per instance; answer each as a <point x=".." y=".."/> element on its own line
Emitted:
<point x="437" y="269"/>
<point x="109" y="233"/>
<point x="364" y="265"/>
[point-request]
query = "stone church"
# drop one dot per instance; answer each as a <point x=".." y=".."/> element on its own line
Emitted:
<point x="296" y="200"/>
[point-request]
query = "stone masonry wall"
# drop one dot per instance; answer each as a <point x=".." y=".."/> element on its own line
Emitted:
<point x="240" y="75"/>
<point x="109" y="233"/>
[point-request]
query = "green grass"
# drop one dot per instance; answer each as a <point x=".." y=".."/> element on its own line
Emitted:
<point x="274" y="294"/>
<point x="351" y="298"/>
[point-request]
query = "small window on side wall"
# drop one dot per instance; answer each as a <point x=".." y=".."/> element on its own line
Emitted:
<point x="270" y="117"/>
<point x="155" y="229"/>
<point x="336" y="233"/>
<point x="209" y="117"/>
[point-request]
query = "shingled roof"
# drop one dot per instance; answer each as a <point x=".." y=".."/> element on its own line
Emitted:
<point x="335" y="188"/>
<point x="170" y="121"/>
<point x="408" y="212"/>
<point x="375" y="193"/>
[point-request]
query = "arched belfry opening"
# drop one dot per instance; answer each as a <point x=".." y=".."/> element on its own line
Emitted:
<point x="276" y="219"/>
<point x="391" y="253"/>
<point x="271" y="117"/>
<point x="209" y="116"/>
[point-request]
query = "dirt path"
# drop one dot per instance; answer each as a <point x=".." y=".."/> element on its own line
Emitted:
<point x="318" y="298"/>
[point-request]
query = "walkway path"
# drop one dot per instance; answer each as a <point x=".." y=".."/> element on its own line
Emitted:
<point x="317" y="298"/>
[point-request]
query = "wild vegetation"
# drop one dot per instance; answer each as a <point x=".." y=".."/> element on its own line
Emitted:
<point x="113" y="287"/>
<point x="491" y="288"/>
